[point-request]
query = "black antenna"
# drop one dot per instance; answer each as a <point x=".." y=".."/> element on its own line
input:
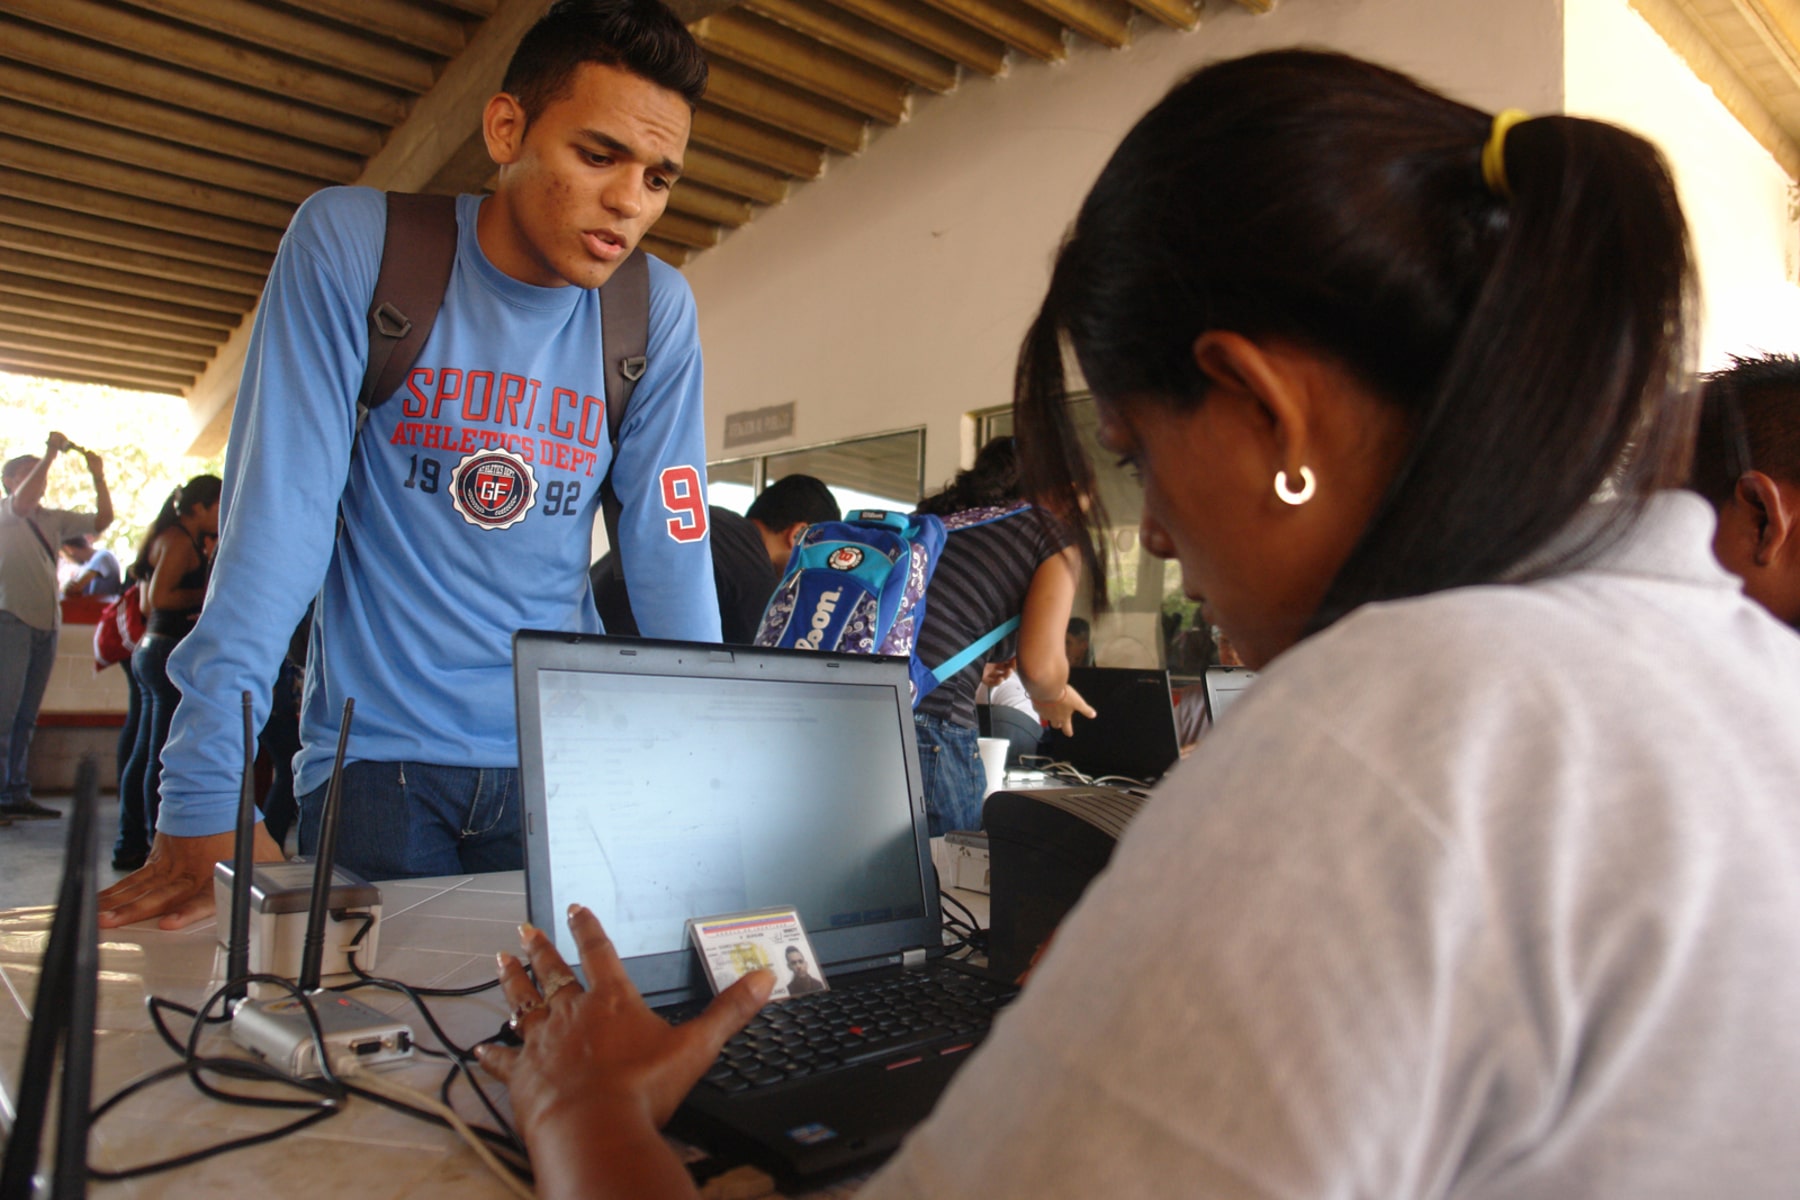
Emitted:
<point x="237" y="952"/>
<point x="62" y="1014"/>
<point x="73" y="1115"/>
<point x="313" y="953"/>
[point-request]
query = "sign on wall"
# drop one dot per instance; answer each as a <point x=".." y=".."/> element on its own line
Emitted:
<point x="759" y="425"/>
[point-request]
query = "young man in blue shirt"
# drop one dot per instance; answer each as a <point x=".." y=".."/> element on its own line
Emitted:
<point x="467" y="501"/>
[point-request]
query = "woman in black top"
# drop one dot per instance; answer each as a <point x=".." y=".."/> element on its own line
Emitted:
<point x="1020" y="564"/>
<point x="172" y="569"/>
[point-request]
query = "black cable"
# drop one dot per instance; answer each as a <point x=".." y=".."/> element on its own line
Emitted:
<point x="460" y="1056"/>
<point x="328" y="1090"/>
<point x="368" y="920"/>
<point x="971" y="921"/>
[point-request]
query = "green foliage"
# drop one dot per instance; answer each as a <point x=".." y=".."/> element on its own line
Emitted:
<point x="142" y="436"/>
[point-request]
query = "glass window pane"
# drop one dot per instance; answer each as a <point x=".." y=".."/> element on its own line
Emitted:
<point x="875" y="472"/>
<point x="731" y="484"/>
<point x="1147" y="612"/>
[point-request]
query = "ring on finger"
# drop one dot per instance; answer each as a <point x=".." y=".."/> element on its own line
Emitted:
<point x="520" y="1013"/>
<point x="555" y="984"/>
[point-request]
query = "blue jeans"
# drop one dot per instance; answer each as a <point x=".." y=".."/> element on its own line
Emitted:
<point x="26" y="655"/>
<point x="950" y="762"/>
<point x="156" y="708"/>
<point x="134" y="835"/>
<point x="405" y="820"/>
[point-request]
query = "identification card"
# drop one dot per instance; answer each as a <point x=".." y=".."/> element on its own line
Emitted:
<point x="735" y="944"/>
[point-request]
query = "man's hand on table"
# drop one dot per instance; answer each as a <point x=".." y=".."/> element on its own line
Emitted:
<point x="176" y="881"/>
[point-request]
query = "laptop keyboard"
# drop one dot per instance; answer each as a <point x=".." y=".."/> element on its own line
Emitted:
<point x="902" y="1017"/>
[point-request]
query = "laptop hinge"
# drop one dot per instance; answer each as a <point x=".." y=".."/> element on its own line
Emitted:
<point x="912" y="960"/>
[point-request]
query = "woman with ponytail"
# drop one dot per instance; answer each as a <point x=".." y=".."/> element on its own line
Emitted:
<point x="1478" y="891"/>
<point x="171" y="572"/>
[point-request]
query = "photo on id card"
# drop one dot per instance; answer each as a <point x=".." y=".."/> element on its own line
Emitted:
<point x="735" y="944"/>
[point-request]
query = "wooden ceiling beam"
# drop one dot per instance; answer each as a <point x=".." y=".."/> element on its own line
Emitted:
<point x="669" y="252"/>
<point x="443" y="120"/>
<point x="956" y="40"/>
<point x="758" y="144"/>
<point x="701" y="202"/>
<point x="1024" y="29"/>
<point x="729" y="175"/>
<point x="95" y="174"/>
<point x="226" y="306"/>
<point x="763" y="99"/>
<point x="1105" y="21"/>
<point x="120" y="258"/>
<point x="105" y="376"/>
<point x="184" y="89"/>
<point x="113" y="356"/>
<point x="469" y="169"/>
<point x="252" y="264"/>
<point x="19" y="289"/>
<point x="276" y="74"/>
<point x="99" y="322"/>
<point x="1176" y="14"/>
<point x="892" y="53"/>
<point x="322" y="44"/>
<point x="184" y="222"/>
<point x="415" y="25"/>
<point x="84" y="333"/>
<point x="105" y="107"/>
<point x="117" y="147"/>
<point x="41" y="361"/>
<point x="803" y="61"/>
<point x="685" y="231"/>
<point x="436" y="127"/>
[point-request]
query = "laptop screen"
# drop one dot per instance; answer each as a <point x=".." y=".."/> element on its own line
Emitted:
<point x="1223" y="686"/>
<point x="1133" y="732"/>
<point x="668" y="781"/>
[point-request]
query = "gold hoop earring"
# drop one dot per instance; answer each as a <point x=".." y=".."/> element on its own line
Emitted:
<point x="1296" y="496"/>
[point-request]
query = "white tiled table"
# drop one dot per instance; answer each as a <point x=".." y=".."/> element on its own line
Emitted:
<point x="435" y="933"/>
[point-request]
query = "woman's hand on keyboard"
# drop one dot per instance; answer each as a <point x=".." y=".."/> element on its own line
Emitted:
<point x="599" y="1072"/>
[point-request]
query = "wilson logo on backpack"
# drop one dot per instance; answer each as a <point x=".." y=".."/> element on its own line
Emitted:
<point x="857" y="586"/>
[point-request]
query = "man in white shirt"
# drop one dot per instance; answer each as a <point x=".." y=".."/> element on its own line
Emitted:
<point x="30" y="608"/>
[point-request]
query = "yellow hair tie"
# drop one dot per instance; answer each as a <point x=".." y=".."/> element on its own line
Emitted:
<point x="1493" y="155"/>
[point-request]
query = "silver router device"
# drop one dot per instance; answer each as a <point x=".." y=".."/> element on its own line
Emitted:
<point x="280" y="896"/>
<point x="278" y="1029"/>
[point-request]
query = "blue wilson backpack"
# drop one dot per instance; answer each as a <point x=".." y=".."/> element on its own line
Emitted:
<point x="857" y="586"/>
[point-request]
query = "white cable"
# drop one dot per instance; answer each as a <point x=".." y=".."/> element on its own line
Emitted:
<point x="406" y="1095"/>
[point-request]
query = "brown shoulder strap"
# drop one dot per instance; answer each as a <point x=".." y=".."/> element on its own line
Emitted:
<point x="624" y="336"/>
<point x="417" y="254"/>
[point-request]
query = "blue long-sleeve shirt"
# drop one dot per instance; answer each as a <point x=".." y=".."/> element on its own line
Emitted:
<point x="467" y="505"/>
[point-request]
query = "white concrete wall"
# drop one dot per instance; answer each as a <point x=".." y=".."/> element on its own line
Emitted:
<point x="893" y="292"/>
<point x="1736" y="198"/>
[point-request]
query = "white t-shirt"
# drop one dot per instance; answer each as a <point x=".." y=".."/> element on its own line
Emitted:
<point x="1491" y="893"/>
<point x="27" y="569"/>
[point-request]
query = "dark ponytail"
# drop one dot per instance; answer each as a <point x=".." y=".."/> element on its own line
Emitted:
<point x="992" y="482"/>
<point x="198" y="492"/>
<point x="1535" y="335"/>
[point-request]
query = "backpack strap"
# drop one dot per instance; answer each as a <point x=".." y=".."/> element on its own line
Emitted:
<point x="973" y="650"/>
<point x="624" y="336"/>
<point x="417" y="254"/>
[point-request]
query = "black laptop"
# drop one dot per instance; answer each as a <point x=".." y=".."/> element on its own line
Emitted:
<point x="1133" y="734"/>
<point x="665" y="781"/>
